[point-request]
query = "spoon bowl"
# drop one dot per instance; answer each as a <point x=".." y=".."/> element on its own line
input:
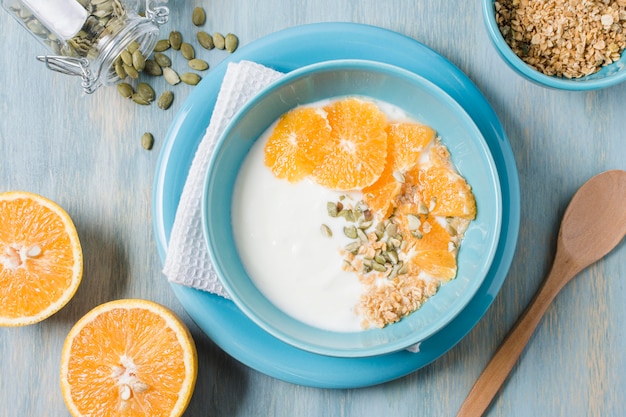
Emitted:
<point x="593" y="224"/>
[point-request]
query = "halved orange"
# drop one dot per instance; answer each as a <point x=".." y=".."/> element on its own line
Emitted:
<point x="354" y="155"/>
<point x="41" y="260"/>
<point x="128" y="358"/>
<point x="287" y="151"/>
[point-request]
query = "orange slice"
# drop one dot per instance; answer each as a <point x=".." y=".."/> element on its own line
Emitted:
<point x="288" y="147"/>
<point x="128" y="358"/>
<point x="41" y="261"/>
<point x="430" y="248"/>
<point x="445" y="192"/>
<point x="354" y="155"/>
<point x="405" y="143"/>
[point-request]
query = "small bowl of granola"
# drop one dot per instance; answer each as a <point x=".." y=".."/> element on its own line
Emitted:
<point x="351" y="208"/>
<point x="559" y="44"/>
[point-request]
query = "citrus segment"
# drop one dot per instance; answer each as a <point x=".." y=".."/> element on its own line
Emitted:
<point x="406" y="143"/>
<point x="354" y="155"/>
<point x="445" y="192"/>
<point x="128" y="358"/>
<point x="287" y="149"/>
<point x="41" y="260"/>
<point x="429" y="246"/>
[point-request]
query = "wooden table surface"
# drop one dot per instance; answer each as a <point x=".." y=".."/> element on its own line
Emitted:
<point x="84" y="152"/>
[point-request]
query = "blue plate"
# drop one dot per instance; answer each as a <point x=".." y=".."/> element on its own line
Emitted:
<point x="283" y="51"/>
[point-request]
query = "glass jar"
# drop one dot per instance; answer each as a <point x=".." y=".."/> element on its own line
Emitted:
<point x="87" y="37"/>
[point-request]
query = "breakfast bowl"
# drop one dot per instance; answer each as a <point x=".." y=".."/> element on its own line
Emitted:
<point x="265" y="236"/>
<point x="565" y="67"/>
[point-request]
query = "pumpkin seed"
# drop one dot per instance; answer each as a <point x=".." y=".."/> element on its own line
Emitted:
<point x="393" y="256"/>
<point x="364" y="225"/>
<point x="162" y="59"/>
<point x="326" y="232"/>
<point x="162" y="45"/>
<point x="333" y="209"/>
<point x="152" y="68"/>
<point x="139" y="61"/>
<point x="361" y="234"/>
<point x="125" y="90"/>
<point x="131" y="71"/>
<point x="198" y="17"/>
<point x="145" y="91"/>
<point x="378" y="267"/>
<point x="190" y="78"/>
<point x="139" y="99"/>
<point x="198" y="64"/>
<point x="127" y="57"/>
<point x="165" y="100"/>
<point x="171" y="76"/>
<point x="422" y="208"/>
<point x="176" y="39"/>
<point x="231" y="42"/>
<point x="147" y="141"/>
<point x="413" y="221"/>
<point x="119" y="69"/>
<point x="219" y="41"/>
<point x="350" y="231"/>
<point x="132" y="47"/>
<point x="187" y="51"/>
<point x="353" y="247"/>
<point x="205" y="40"/>
<point x="380" y="259"/>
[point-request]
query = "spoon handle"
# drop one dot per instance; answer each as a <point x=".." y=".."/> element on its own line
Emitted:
<point x="497" y="370"/>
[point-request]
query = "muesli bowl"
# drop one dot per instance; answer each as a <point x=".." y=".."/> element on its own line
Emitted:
<point x="608" y="75"/>
<point x="418" y="98"/>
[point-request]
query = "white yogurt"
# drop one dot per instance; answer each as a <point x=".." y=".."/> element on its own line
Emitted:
<point x="276" y="225"/>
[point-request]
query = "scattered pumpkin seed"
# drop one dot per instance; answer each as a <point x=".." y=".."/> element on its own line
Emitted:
<point x="219" y="41"/>
<point x="162" y="59"/>
<point x="378" y="267"/>
<point x="171" y="76"/>
<point x="364" y="225"/>
<point x="380" y="259"/>
<point x="190" y="78"/>
<point x="125" y="90"/>
<point x="326" y="232"/>
<point x="187" y="51"/>
<point x="152" y="68"/>
<point x="348" y="215"/>
<point x="147" y="141"/>
<point x="176" y="39"/>
<point x="198" y="64"/>
<point x="422" y="208"/>
<point x="198" y="17"/>
<point x="162" y="45"/>
<point x="205" y="40"/>
<point x="231" y="42"/>
<point x="165" y="100"/>
<point x="361" y="234"/>
<point x="145" y="91"/>
<point x="139" y="99"/>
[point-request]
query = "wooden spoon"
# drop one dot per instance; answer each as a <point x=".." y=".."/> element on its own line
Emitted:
<point x="593" y="224"/>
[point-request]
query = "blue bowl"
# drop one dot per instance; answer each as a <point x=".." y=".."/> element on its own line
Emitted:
<point x="423" y="101"/>
<point x="608" y="76"/>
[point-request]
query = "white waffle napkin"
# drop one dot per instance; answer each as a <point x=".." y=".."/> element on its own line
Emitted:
<point x="187" y="261"/>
